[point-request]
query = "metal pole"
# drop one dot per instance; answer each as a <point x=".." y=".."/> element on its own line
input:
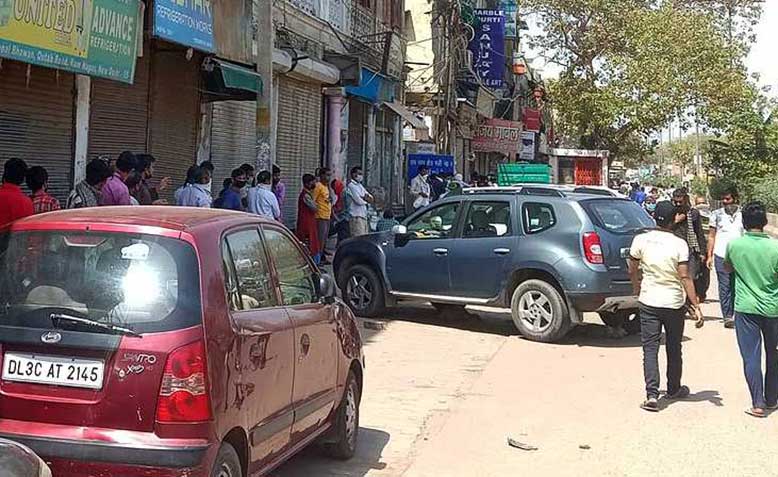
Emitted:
<point x="263" y="16"/>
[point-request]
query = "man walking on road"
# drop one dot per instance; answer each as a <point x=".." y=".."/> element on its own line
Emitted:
<point x="753" y="260"/>
<point x="726" y="225"/>
<point x="420" y="188"/>
<point x="358" y="198"/>
<point x="659" y="270"/>
<point x="688" y="227"/>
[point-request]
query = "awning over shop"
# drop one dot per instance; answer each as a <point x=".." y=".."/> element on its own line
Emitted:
<point x="373" y="87"/>
<point x="406" y="114"/>
<point x="225" y="80"/>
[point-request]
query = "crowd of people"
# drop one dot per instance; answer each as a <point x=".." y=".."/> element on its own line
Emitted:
<point x="325" y="206"/>
<point x="665" y="267"/>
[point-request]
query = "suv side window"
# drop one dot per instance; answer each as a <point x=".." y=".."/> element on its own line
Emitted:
<point x="488" y="219"/>
<point x="436" y="223"/>
<point x="537" y="217"/>
<point x="295" y="274"/>
<point x="254" y="285"/>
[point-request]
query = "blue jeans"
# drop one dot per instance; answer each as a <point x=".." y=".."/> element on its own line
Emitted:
<point x="751" y="329"/>
<point x="726" y="289"/>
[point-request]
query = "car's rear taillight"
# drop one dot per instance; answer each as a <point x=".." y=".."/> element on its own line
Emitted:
<point x="183" y="396"/>
<point x="593" y="248"/>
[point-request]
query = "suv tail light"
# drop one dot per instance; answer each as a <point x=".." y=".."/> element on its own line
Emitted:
<point x="593" y="248"/>
<point x="183" y="396"/>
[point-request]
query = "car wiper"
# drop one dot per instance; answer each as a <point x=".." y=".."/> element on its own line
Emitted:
<point x="57" y="317"/>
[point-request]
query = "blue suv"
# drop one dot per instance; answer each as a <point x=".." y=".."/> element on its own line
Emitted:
<point x="547" y="253"/>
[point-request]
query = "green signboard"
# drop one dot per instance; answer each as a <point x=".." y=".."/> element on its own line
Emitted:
<point x="91" y="37"/>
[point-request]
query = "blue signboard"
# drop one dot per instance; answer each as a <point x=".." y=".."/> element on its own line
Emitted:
<point x="373" y="88"/>
<point x="438" y="164"/>
<point x="488" y="47"/>
<point x="186" y="22"/>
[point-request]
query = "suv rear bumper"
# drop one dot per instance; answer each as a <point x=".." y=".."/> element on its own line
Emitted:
<point x="603" y="302"/>
<point x="63" y="446"/>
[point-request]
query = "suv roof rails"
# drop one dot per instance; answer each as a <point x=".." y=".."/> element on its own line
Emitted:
<point x="520" y="190"/>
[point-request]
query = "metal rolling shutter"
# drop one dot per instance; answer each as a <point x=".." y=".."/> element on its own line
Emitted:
<point x="298" y="147"/>
<point x="233" y="137"/>
<point x="36" y="121"/>
<point x="119" y="114"/>
<point x="175" y="113"/>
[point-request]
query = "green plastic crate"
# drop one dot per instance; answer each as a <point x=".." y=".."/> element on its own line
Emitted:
<point x="523" y="173"/>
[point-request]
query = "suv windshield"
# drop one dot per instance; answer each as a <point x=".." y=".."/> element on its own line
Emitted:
<point x="141" y="282"/>
<point x="618" y="216"/>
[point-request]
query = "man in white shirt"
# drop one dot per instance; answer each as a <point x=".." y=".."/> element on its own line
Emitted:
<point x="659" y="270"/>
<point x="420" y="188"/>
<point x="261" y="199"/>
<point x="726" y="224"/>
<point x="358" y="198"/>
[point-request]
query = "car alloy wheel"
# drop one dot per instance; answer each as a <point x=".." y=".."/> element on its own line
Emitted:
<point x="359" y="291"/>
<point x="536" y="311"/>
<point x="351" y="416"/>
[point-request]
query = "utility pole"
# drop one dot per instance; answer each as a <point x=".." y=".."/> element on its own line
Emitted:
<point x="263" y="18"/>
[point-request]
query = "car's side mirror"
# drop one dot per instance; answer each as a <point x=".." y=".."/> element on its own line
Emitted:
<point x="401" y="235"/>
<point x="327" y="288"/>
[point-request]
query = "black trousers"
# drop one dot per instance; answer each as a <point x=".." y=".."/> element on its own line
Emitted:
<point x="652" y="320"/>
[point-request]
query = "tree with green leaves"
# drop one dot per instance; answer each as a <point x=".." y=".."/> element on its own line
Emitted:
<point x="630" y="67"/>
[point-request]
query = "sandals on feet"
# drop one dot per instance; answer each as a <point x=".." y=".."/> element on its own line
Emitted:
<point x="756" y="412"/>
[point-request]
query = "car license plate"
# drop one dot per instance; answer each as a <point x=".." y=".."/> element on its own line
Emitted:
<point x="53" y="370"/>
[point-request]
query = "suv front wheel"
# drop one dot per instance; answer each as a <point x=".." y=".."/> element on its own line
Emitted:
<point x="539" y="311"/>
<point x="363" y="291"/>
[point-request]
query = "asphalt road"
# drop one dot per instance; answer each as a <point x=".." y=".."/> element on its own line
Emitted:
<point x="442" y="397"/>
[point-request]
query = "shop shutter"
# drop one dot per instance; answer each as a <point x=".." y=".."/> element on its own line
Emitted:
<point x="119" y="114"/>
<point x="175" y="113"/>
<point x="298" y="147"/>
<point x="233" y="137"/>
<point x="36" y="121"/>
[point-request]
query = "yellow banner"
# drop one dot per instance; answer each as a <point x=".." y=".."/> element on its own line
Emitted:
<point x="56" y="25"/>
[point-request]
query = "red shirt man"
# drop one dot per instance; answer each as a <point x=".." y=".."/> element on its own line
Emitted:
<point x="14" y="204"/>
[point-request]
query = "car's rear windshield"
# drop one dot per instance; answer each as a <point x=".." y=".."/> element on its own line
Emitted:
<point x="618" y="216"/>
<point x="142" y="282"/>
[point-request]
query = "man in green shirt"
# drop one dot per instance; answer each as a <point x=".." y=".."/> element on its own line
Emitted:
<point x="753" y="259"/>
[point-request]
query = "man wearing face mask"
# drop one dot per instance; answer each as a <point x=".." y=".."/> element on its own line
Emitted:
<point x="688" y="227"/>
<point x="650" y="205"/>
<point x="420" y="188"/>
<point x="358" y="198"/>
<point x="230" y="198"/>
<point x="726" y="224"/>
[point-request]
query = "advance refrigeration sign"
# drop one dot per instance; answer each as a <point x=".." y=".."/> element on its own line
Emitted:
<point x="186" y="22"/>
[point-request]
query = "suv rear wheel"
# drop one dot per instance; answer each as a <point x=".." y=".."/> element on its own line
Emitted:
<point x="227" y="463"/>
<point x="363" y="291"/>
<point x="539" y="312"/>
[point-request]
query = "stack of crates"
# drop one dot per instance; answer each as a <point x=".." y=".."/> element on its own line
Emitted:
<point x="523" y="173"/>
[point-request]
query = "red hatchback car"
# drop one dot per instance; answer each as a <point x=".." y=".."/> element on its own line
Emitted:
<point x="158" y="342"/>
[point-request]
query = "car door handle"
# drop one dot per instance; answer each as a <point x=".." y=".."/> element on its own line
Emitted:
<point x="441" y="252"/>
<point x="502" y="251"/>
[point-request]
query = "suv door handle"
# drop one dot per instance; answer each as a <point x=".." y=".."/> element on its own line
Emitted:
<point x="502" y="251"/>
<point x="442" y="252"/>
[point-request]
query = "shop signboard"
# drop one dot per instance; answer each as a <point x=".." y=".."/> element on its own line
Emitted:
<point x="186" y="22"/>
<point x="509" y="7"/>
<point x="488" y="47"/>
<point x="498" y="135"/>
<point x="527" y="152"/>
<point x="438" y="164"/>
<point x="90" y="37"/>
